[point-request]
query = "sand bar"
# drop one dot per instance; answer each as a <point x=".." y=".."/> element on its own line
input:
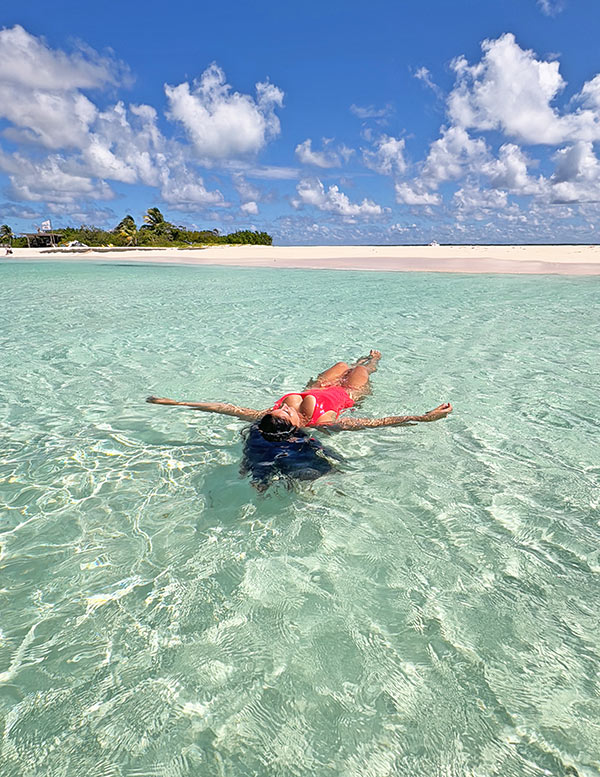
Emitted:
<point x="541" y="259"/>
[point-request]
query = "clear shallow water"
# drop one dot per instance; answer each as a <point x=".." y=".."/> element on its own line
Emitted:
<point x="430" y="609"/>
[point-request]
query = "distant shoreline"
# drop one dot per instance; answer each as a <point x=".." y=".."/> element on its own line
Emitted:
<point x="506" y="259"/>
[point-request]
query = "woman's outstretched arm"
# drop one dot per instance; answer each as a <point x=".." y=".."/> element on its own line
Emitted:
<point x="392" y="420"/>
<point x="224" y="408"/>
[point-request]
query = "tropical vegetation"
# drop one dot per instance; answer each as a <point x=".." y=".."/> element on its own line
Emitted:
<point x="155" y="231"/>
<point x="6" y="235"/>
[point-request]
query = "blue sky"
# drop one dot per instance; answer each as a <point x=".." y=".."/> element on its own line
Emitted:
<point x="322" y="123"/>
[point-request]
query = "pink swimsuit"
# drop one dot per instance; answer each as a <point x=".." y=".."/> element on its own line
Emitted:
<point x="331" y="398"/>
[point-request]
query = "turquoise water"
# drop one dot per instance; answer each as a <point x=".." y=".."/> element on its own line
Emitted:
<point x="429" y="609"/>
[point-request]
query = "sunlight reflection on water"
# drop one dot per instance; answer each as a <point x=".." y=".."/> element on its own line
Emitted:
<point x="428" y="609"/>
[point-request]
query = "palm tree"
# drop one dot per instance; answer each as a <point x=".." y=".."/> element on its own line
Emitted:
<point x="6" y="233"/>
<point x="153" y="217"/>
<point x="156" y="224"/>
<point x="127" y="229"/>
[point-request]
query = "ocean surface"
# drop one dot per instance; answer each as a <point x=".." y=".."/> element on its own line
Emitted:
<point x="429" y="608"/>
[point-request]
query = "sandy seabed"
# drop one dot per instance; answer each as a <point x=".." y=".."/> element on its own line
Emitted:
<point x="530" y="259"/>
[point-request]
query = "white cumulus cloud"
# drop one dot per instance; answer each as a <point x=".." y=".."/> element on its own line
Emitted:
<point x="326" y="158"/>
<point x="28" y="63"/>
<point x="469" y="198"/>
<point x="185" y="190"/>
<point x="245" y="189"/>
<point x="387" y="157"/>
<point x="510" y="171"/>
<point x="577" y="174"/>
<point x="249" y="194"/>
<point x="453" y="153"/>
<point x="222" y="123"/>
<point x="312" y="192"/>
<point x="42" y="99"/>
<point x="590" y="94"/>
<point x="576" y="162"/>
<point x="251" y="208"/>
<point x="512" y="91"/>
<point x="414" y="193"/>
<point x="126" y="145"/>
<point x="40" y="89"/>
<point x="53" y="119"/>
<point x="54" y="180"/>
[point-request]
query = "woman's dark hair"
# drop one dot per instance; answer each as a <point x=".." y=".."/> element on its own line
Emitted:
<point x="274" y="428"/>
<point x="293" y="455"/>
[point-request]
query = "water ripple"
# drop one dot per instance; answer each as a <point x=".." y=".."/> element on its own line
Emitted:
<point x="428" y="609"/>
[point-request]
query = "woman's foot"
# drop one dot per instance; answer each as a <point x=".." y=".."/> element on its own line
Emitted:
<point x="370" y="361"/>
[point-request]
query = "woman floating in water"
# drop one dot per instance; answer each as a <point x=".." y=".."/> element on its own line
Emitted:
<point x="276" y="443"/>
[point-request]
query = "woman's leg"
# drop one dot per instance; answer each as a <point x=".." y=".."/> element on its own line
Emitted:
<point x="341" y="374"/>
<point x="356" y="380"/>
<point x="369" y="362"/>
<point x="330" y="377"/>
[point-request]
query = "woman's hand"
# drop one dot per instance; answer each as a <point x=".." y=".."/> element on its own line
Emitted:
<point x="439" y="412"/>
<point x="161" y="401"/>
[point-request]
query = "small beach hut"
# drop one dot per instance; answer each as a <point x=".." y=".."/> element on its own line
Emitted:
<point x="42" y="239"/>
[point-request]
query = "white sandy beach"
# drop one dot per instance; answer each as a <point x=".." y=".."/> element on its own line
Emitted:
<point x="543" y="259"/>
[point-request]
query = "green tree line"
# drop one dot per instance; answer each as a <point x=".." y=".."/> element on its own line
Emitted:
<point x="155" y="231"/>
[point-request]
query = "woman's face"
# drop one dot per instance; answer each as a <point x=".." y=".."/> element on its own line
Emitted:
<point x="288" y="414"/>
